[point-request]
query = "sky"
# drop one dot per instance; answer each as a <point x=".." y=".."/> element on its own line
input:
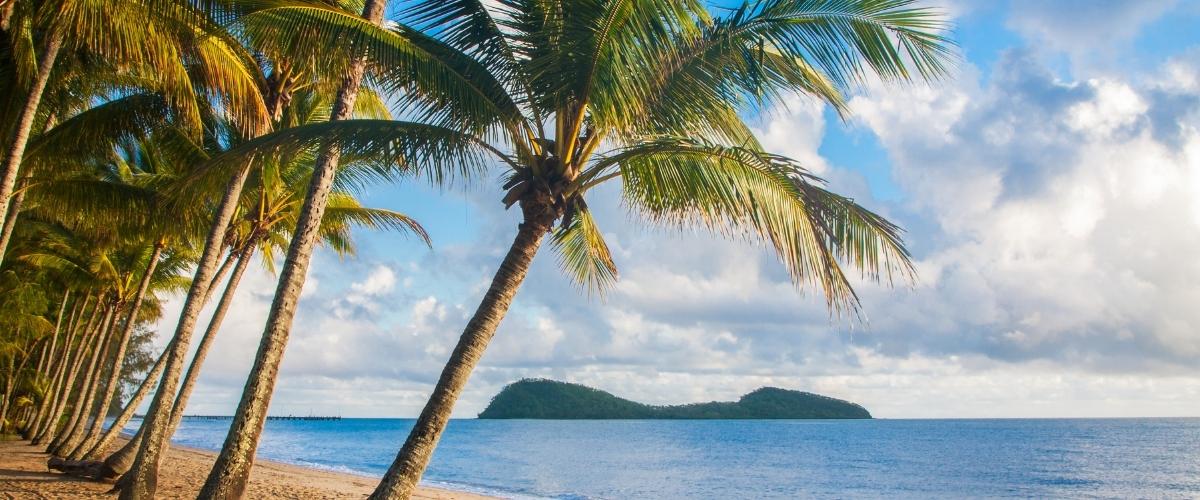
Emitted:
<point x="1050" y="190"/>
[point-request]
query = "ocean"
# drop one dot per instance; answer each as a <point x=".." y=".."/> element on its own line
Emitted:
<point x="722" y="459"/>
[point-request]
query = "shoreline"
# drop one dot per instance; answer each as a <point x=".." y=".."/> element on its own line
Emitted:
<point x="23" y="474"/>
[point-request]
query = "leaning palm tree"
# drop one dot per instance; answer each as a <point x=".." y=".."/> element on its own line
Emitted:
<point x="232" y="468"/>
<point x="568" y="96"/>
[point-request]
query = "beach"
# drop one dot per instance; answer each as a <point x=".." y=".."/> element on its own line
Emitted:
<point x="23" y="475"/>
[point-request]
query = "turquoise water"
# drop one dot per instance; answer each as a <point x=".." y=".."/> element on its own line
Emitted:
<point x="1117" y="458"/>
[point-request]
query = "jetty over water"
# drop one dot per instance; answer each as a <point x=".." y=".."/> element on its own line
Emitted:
<point x="269" y="417"/>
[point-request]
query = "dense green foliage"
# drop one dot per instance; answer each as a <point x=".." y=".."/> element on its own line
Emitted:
<point x="550" y="399"/>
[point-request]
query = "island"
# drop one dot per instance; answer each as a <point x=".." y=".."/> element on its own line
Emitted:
<point x="551" y="399"/>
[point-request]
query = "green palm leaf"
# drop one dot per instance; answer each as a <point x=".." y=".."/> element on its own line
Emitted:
<point x="742" y="192"/>
<point x="583" y="254"/>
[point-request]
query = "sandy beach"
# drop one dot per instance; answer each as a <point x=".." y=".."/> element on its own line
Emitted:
<point x="23" y="475"/>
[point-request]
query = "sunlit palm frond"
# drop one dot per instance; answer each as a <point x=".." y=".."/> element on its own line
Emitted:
<point x="344" y="211"/>
<point x="437" y="154"/>
<point x="738" y="191"/>
<point x="98" y="130"/>
<point x="438" y="84"/>
<point x="583" y="253"/>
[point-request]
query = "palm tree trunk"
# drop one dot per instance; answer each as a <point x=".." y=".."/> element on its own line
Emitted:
<point x="119" y="461"/>
<point x="114" y="375"/>
<point x="84" y="401"/>
<point x="9" y="379"/>
<point x="38" y="370"/>
<point x="219" y="275"/>
<point x="54" y="395"/>
<point x="404" y="474"/>
<point x="144" y="482"/>
<point x="12" y="379"/>
<point x="6" y="12"/>
<point x="87" y="395"/>
<point x="65" y="378"/>
<point x="45" y="353"/>
<point x="10" y="221"/>
<point x="14" y="208"/>
<point x="126" y="415"/>
<point x="117" y="464"/>
<point x="20" y="134"/>
<point x="50" y="369"/>
<point x="232" y="468"/>
<point x="210" y="334"/>
<point x="88" y="340"/>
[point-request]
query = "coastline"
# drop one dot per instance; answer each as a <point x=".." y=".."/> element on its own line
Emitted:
<point x="23" y="474"/>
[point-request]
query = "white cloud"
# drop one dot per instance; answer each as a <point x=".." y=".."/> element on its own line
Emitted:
<point x="381" y="280"/>
<point x="1115" y="105"/>
<point x="795" y="130"/>
<point x="1085" y="29"/>
<point x="1061" y="231"/>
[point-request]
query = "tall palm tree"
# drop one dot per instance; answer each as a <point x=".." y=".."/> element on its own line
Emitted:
<point x="571" y="95"/>
<point x="84" y="260"/>
<point x="64" y="378"/>
<point x="232" y="468"/>
<point x="137" y="185"/>
<point x="23" y="331"/>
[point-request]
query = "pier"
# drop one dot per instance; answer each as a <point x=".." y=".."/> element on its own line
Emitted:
<point x="269" y="417"/>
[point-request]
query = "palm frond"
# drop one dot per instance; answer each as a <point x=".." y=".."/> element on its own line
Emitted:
<point x="583" y="254"/>
<point x="450" y="88"/>
<point x="741" y="192"/>
<point x="98" y="130"/>
<point x="437" y="154"/>
<point x="344" y="211"/>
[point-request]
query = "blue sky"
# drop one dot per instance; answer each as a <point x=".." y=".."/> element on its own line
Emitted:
<point x="1048" y="190"/>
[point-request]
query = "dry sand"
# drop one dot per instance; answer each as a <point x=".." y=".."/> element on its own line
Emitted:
<point x="23" y="475"/>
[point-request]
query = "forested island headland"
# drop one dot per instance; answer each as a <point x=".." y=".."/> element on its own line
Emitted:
<point x="551" y="399"/>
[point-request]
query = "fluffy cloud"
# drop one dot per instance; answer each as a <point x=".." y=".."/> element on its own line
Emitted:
<point x="1061" y="208"/>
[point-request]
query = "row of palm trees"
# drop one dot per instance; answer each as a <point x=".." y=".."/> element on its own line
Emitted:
<point x="159" y="147"/>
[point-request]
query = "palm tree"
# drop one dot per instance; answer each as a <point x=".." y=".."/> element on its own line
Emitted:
<point x="270" y="207"/>
<point x="170" y="49"/>
<point x="55" y="249"/>
<point x="67" y="367"/>
<point x="23" y="331"/>
<point x="232" y="468"/>
<point x="111" y="270"/>
<point x="170" y="44"/>
<point x="569" y="96"/>
<point x="64" y="257"/>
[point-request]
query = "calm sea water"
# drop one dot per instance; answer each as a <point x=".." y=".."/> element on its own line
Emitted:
<point x="1117" y="458"/>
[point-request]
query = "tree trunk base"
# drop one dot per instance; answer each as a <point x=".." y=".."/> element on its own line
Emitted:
<point x="89" y="469"/>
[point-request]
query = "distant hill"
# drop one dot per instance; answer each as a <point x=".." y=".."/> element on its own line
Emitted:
<point x="550" y="399"/>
